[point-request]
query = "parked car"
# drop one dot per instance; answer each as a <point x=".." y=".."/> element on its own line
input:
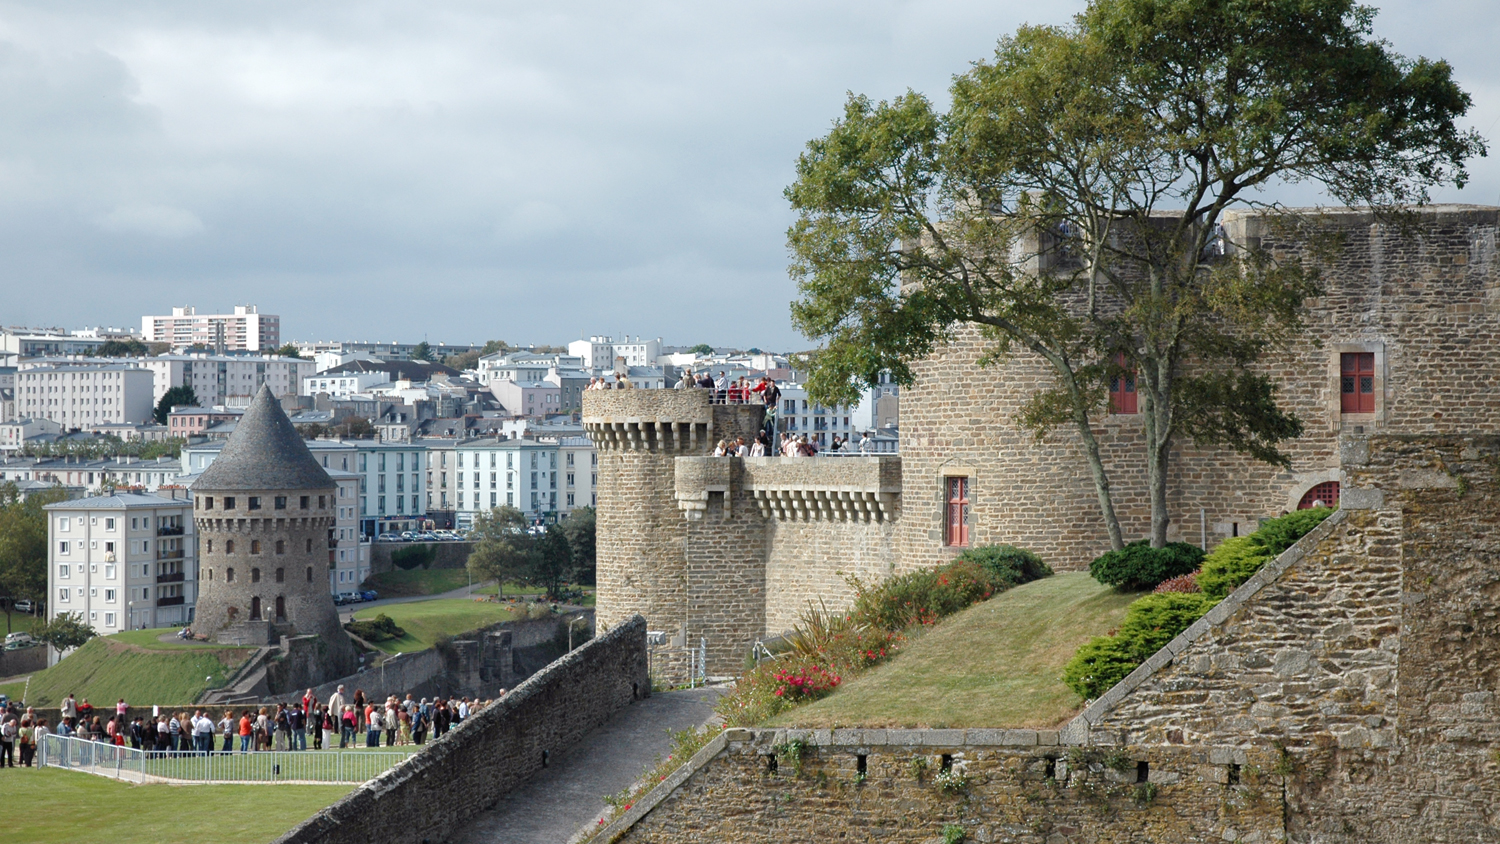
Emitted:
<point x="388" y="537"/>
<point x="24" y="606"/>
<point x="18" y="638"/>
<point x="368" y="595"/>
<point x="448" y="536"/>
<point x="347" y="598"/>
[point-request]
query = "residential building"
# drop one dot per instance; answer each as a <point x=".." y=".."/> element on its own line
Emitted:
<point x="246" y="329"/>
<point x="599" y="353"/>
<point x="442" y="479"/>
<point x="16" y="343"/>
<point x="79" y="396"/>
<point x="514" y="473"/>
<point x="580" y="471"/>
<point x="800" y="415"/>
<point x="348" y="550"/>
<point x="94" y="476"/>
<point x="15" y="433"/>
<point x="122" y="561"/>
<point x="184" y="422"/>
<point x="528" y="398"/>
<point x="343" y="384"/>
<point x="227" y="380"/>
<point x="7" y="393"/>
<point x="391" y="351"/>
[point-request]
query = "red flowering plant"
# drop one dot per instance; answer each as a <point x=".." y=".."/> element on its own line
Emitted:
<point x="1180" y="583"/>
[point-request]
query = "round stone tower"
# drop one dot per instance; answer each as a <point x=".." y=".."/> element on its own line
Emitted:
<point x="264" y="510"/>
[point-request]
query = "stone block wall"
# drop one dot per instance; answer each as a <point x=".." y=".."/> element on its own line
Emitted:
<point x="1020" y="786"/>
<point x="1425" y="302"/>
<point x="23" y="661"/>
<point x="455" y="777"/>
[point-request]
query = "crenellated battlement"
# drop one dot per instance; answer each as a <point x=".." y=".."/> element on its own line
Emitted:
<point x="845" y="489"/>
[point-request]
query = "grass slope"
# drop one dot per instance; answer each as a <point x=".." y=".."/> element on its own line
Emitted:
<point x="405" y="584"/>
<point x="426" y="621"/>
<point x="56" y="805"/>
<point x="136" y="667"/>
<point x="996" y="664"/>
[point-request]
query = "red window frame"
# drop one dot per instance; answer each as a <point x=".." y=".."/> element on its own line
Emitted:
<point x="1357" y="382"/>
<point x="1122" y="395"/>
<point x="1326" y="492"/>
<point x="956" y="512"/>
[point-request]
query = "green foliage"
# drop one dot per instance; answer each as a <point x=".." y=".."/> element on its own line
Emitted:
<point x="1150" y="623"/>
<point x="180" y="396"/>
<point x="1017" y="211"/>
<point x="65" y="632"/>
<point x="702" y="349"/>
<point x="1236" y="560"/>
<point x="122" y="349"/>
<point x="288" y="350"/>
<point x="1138" y="566"/>
<point x="922" y="597"/>
<point x="506" y="551"/>
<point x="413" y="556"/>
<point x="578" y="528"/>
<point x="1008" y="564"/>
<point x="421" y="351"/>
<point x="381" y="628"/>
<point x="95" y="448"/>
<point x="23" y="542"/>
<point x="953" y="834"/>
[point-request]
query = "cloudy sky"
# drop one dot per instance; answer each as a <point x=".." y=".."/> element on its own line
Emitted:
<point x="463" y="171"/>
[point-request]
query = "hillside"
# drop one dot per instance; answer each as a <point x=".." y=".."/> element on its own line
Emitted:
<point x="136" y="667"/>
<point x="996" y="664"/>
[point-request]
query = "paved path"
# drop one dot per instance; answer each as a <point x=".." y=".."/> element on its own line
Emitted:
<point x="568" y="794"/>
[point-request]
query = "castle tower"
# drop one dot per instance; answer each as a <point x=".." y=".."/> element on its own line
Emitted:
<point x="264" y="510"/>
<point x="642" y="533"/>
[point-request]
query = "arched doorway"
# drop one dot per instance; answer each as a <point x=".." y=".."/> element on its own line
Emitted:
<point x="280" y="607"/>
<point x="255" y="608"/>
<point x="1326" y="493"/>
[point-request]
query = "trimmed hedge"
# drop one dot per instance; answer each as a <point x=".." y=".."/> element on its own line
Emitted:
<point x="1138" y="566"/>
<point x="1009" y="564"/>
<point x="1154" y="620"/>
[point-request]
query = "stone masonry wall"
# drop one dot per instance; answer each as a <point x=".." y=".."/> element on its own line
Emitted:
<point x="1425" y="302"/>
<point x="457" y="776"/>
<point x="1021" y="787"/>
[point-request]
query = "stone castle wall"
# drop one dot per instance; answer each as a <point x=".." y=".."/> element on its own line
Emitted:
<point x="455" y="777"/>
<point x="1425" y="302"/>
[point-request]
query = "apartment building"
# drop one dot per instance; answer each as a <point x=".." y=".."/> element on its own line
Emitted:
<point x="580" y="471"/>
<point x="599" y="353"/>
<point x="227" y="380"/>
<point x="348" y="550"/>
<point x="122" y="561"/>
<point x="81" y="396"/>
<point x="495" y="472"/>
<point x="246" y="329"/>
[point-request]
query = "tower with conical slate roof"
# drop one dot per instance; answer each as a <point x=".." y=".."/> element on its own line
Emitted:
<point x="265" y="510"/>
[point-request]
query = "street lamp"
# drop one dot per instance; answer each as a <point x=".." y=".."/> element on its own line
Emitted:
<point x="576" y="620"/>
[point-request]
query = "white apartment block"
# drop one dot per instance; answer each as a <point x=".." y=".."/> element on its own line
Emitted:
<point x="122" y="561"/>
<point x="580" y="471"/>
<point x="343" y="384"/>
<point x="92" y="476"/>
<point x="442" y="473"/>
<point x="31" y="343"/>
<point x="535" y="399"/>
<point x="799" y="415"/>
<point x="523" y="366"/>
<point x="246" y="329"/>
<point x="599" y="353"/>
<point x="348" y="552"/>
<point x="227" y="380"/>
<point x="80" y="396"/>
<point x="505" y="473"/>
<point x="13" y="433"/>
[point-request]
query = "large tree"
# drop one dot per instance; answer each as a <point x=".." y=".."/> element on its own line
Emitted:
<point x="502" y="547"/>
<point x="180" y="396"/>
<point x="1069" y="203"/>
<point x="578" y="527"/>
<point x="23" y="545"/>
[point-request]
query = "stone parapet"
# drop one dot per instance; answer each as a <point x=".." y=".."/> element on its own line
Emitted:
<point x="859" y="489"/>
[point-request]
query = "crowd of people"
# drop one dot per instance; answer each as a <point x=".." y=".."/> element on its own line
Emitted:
<point x="283" y="727"/>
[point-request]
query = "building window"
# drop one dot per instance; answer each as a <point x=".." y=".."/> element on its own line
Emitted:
<point x="309" y="574"/>
<point x="62" y="570"/>
<point x="281" y="575"/>
<point x="255" y="575"/>
<point x="1122" y="396"/>
<point x="1357" y="382"/>
<point x="109" y="596"/>
<point x="229" y="575"/>
<point x="109" y="619"/>
<point x="255" y="546"/>
<point x="229" y="546"/>
<point x="280" y="502"/>
<point x="303" y="502"/>
<point x="309" y="546"/>
<point x="280" y="606"/>
<point x="228" y="502"/>
<point x="62" y="595"/>
<point x="956" y="512"/>
<point x="1325" y="494"/>
<point x="281" y="546"/>
<point x="62" y="548"/>
<point x="210" y="544"/>
<point x="255" y="608"/>
<point x="109" y="524"/>
<point x="255" y="502"/>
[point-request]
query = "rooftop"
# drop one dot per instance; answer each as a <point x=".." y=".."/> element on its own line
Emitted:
<point x="264" y="452"/>
<point x="120" y="501"/>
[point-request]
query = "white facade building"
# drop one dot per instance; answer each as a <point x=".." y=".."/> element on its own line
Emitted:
<point x="122" y="561"/>
<point x="799" y="415"/>
<point x="505" y="473"/>
<point x="599" y="353"/>
<point x="343" y="384"/>
<point x="227" y="380"/>
<point x="246" y="329"/>
<point x="13" y="434"/>
<point x="348" y="551"/>
<point x="80" y="396"/>
<point x="580" y="471"/>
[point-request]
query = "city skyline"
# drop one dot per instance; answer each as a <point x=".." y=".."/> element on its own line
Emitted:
<point x="398" y="173"/>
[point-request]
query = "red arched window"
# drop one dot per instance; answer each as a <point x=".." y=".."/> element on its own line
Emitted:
<point x="1122" y="397"/>
<point x="956" y="513"/>
<point x="1326" y="492"/>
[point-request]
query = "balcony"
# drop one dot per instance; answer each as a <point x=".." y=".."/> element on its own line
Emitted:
<point x="333" y="543"/>
<point x="174" y="601"/>
<point x="173" y="577"/>
<point x="170" y="530"/>
<point x="175" y="554"/>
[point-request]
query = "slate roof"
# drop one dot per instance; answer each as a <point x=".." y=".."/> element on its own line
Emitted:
<point x="264" y="452"/>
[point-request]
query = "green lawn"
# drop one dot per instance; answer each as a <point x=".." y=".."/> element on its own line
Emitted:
<point x="426" y="621"/>
<point x="54" y="805"/>
<point x="996" y="664"/>
<point x="135" y="666"/>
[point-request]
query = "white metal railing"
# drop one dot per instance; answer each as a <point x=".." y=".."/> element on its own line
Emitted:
<point x="185" y="766"/>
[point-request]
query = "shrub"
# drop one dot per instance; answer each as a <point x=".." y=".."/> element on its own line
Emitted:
<point x="381" y="628"/>
<point x="1180" y="583"/>
<point x="1150" y="623"/>
<point x="1101" y="663"/>
<point x="1237" y="560"/>
<point x="413" y="556"/>
<point x="1138" y="566"/>
<point x="1008" y="563"/>
<point x="921" y="597"/>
